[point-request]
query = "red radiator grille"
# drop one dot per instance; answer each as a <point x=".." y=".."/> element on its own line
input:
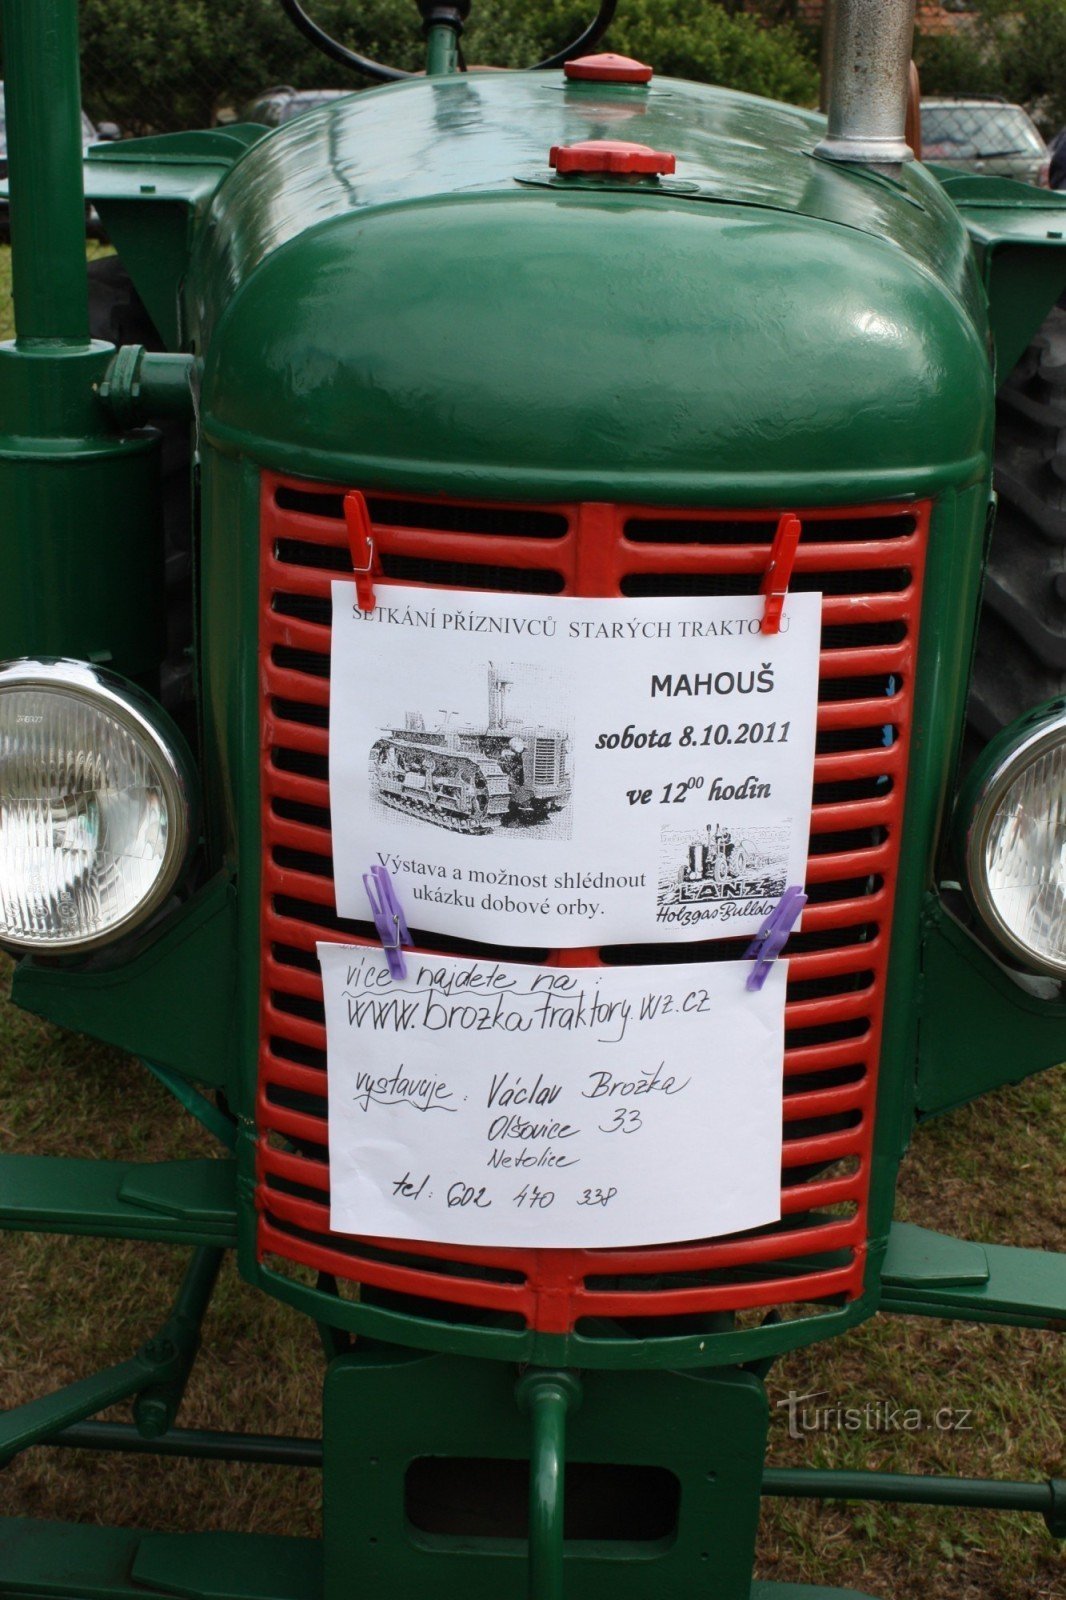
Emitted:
<point x="868" y="564"/>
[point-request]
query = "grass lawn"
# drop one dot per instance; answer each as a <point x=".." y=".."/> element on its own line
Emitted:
<point x="993" y="1171"/>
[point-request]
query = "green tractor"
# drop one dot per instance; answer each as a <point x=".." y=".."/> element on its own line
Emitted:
<point x="576" y="332"/>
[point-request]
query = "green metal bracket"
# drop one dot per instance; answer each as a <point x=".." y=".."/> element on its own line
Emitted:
<point x="155" y="1409"/>
<point x="1055" y="1515"/>
<point x="66" y="1561"/>
<point x="1048" y="1499"/>
<point x="172" y="1001"/>
<point x="547" y="1398"/>
<point x="139" y="385"/>
<point x="978" y="1028"/>
<point x="156" y="1375"/>
<point x="21" y="1426"/>
<point x="207" y="1114"/>
<point x="932" y="1275"/>
<point x="173" y="1202"/>
<point x="1019" y="234"/>
<point x="149" y="193"/>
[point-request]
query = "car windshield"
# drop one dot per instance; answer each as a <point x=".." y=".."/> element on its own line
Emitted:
<point x="980" y="130"/>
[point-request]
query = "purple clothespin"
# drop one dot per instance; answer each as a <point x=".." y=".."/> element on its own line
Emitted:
<point x="771" y="938"/>
<point x="389" y="919"/>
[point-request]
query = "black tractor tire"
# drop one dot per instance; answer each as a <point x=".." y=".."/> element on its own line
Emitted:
<point x="1021" y="642"/>
<point x="118" y="314"/>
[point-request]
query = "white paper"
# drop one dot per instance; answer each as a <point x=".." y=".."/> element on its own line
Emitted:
<point x="483" y="1102"/>
<point x="557" y="773"/>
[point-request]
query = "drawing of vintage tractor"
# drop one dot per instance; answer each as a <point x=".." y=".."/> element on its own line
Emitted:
<point x="726" y="868"/>
<point x="473" y="780"/>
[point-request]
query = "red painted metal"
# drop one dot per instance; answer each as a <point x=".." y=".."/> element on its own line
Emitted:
<point x="608" y="68"/>
<point x="365" y="565"/>
<point x="868" y="564"/>
<point x="778" y="574"/>
<point x="610" y="155"/>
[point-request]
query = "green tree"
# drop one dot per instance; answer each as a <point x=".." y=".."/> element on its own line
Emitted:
<point x="151" y="65"/>
<point x="690" y="39"/>
<point x="1009" y="49"/>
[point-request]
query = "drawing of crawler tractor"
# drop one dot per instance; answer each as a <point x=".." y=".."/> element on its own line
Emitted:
<point x="473" y="779"/>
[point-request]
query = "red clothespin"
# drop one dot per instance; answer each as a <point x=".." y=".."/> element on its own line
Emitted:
<point x="365" y="563"/>
<point x="778" y="574"/>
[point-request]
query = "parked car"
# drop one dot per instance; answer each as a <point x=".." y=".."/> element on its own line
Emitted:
<point x="90" y="135"/>
<point x="984" y="135"/>
<point x="275" y="106"/>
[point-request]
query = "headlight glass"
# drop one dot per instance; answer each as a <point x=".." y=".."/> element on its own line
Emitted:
<point x="1016" y="843"/>
<point x="94" y="810"/>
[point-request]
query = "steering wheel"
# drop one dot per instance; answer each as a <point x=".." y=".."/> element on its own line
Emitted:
<point x="451" y="15"/>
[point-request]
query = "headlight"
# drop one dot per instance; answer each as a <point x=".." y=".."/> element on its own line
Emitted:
<point x="1015" y="839"/>
<point x="94" y="806"/>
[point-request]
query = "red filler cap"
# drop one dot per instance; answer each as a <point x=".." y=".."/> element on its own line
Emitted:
<point x="608" y="68"/>
<point x="610" y="155"/>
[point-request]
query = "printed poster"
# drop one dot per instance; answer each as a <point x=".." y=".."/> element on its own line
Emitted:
<point x="485" y="1102"/>
<point x="552" y="772"/>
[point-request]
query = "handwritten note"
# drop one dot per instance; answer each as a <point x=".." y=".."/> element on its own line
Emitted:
<point x="483" y="1102"/>
<point x="547" y="771"/>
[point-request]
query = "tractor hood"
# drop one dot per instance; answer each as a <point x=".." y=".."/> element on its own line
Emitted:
<point x="396" y="290"/>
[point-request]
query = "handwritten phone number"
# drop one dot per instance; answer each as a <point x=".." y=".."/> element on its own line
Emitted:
<point x="460" y="1195"/>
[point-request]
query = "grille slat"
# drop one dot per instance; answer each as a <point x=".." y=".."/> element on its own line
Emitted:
<point x="869" y="565"/>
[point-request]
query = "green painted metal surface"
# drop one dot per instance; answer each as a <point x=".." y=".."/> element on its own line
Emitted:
<point x="928" y="1274"/>
<point x="547" y="1398"/>
<point x="981" y="1027"/>
<point x="394" y="1421"/>
<point x="949" y="613"/>
<point x="608" y="1349"/>
<point x="28" y="1424"/>
<point x="373" y="276"/>
<point x="169" y="997"/>
<point x="59" y="1561"/>
<point x="69" y="488"/>
<point x="67" y="485"/>
<point x="1019" y="235"/>
<point x="150" y="194"/>
<point x="64" y="1561"/>
<point x="176" y="1202"/>
<point x="905" y="1488"/>
<point x="44" y="159"/>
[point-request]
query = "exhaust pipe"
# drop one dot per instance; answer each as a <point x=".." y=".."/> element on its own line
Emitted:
<point x="867" y="60"/>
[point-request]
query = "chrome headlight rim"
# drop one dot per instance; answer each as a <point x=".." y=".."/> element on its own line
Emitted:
<point x="146" y="721"/>
<point x="1000" y="766"/>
